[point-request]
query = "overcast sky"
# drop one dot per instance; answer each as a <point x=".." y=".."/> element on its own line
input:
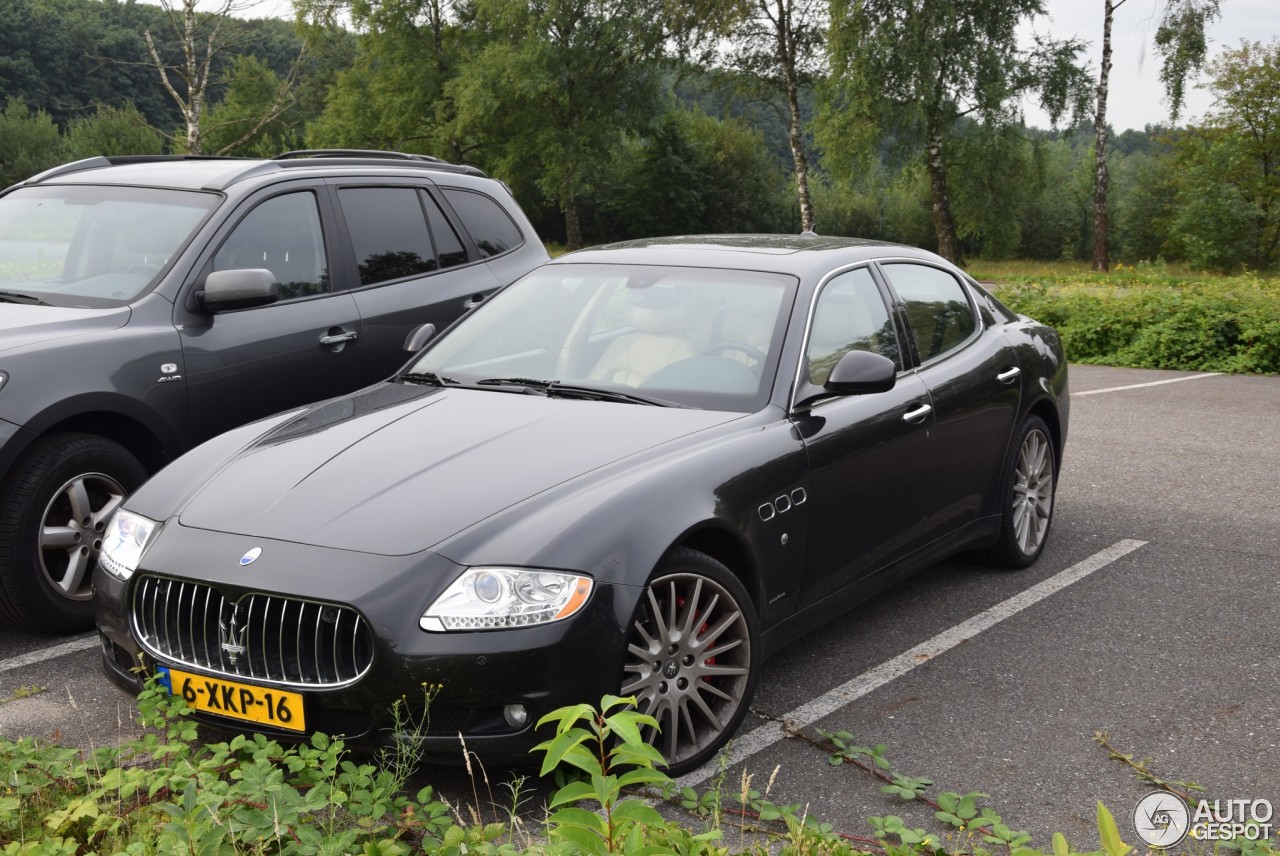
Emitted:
<point x="1136" y="97"/>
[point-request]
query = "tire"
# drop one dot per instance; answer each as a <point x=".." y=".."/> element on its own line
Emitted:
<point x="1027" y="493"/>
<point x="696" y="681"/>
<point x="54" y="506"/>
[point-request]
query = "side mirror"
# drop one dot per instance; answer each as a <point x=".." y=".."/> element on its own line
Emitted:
<point x="418" y="337"/>
<point x="861" y="373"/>
<point x="238" y="289"/>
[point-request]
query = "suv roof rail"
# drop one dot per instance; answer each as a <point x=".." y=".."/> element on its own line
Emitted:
<point x="356" y="156"/>
<point x="104" y="161"/>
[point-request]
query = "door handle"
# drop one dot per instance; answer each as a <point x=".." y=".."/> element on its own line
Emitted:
<point x="917" y="415"/>
<point x="339" y="338"/>
<point x="472" y="302"/>
<point x="1008" y="374"/>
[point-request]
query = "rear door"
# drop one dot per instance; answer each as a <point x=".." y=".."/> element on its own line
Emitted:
<point x="245" y="364"/>
<point x="408" y="263"/>
<point x="972" y="375"/>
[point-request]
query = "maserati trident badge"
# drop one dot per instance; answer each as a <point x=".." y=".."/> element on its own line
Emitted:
<point x="231" y="636"/>
<point x="250" y="557"/>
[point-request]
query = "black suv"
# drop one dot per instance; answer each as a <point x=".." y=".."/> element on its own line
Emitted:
<point x="149" y="303"/>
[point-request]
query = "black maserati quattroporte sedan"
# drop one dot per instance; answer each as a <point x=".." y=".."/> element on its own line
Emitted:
<point x="640" y="469"/>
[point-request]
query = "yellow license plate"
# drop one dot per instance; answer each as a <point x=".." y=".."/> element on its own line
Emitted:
<point x="245" y="702"/>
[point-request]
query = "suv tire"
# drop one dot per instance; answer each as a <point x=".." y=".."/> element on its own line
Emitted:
<point x="47" y="552"/>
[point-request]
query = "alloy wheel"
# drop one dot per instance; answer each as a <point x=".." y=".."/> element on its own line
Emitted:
<point x="688" y="663"/>
<point x="1033" y="491"/>
<point x="71" y="532"/>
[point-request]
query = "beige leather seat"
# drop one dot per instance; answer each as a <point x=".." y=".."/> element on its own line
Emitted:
<point x="663" y="320"/>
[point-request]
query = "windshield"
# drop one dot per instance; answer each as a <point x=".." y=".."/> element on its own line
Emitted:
<point x="697" y="337"/>
<point x="99" y="246"/>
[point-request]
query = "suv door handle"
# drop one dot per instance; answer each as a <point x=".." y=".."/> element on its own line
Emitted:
<point x="917" y="415"/>
<point x="472" y="302"/>
<point x="339" y="338"/>
<point x="1008" y="374"/>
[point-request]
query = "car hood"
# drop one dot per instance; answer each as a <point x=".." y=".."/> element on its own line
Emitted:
<point x="396" y="469"/>
<point x="22" y="325"/>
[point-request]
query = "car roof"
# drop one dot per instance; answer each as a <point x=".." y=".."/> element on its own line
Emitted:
<point x="795" y="254"/>
<point x="192" y="172"/>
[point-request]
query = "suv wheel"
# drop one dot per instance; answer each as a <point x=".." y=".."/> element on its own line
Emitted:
<point x="54" y="508"/>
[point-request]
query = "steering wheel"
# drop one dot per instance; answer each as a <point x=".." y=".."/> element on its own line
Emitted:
<point x="741" y="347"/>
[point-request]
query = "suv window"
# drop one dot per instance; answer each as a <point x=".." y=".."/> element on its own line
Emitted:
<point x="449" y="248"/>
<point x="284" y="236"/>
<point x="850" y="316"/>
<point x="490" y="227"/>
<point x="388" y="232"/>
<point x="936" y="307"/>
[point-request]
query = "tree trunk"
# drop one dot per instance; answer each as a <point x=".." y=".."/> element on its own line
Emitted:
<point x="572" y="224"/>
<point x="944" y="225"/>
<point x="787" y="59"/>
<point x="1101" y="178"/>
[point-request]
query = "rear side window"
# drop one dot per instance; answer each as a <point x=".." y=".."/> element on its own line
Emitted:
<point x="284" y="236"/>
<point x="936" y="307"/>
<point x="388" y="232"/>
<point x="492" y="230"/>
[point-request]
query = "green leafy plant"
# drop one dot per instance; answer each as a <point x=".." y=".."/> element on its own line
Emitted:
<point x="607" y="746"/>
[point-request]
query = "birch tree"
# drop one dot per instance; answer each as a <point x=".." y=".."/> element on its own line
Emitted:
<point x="1182" y="45"/>
<point x="912" y="69"/>
<point x="779" y="44"/>
<point x="203" y="40"/>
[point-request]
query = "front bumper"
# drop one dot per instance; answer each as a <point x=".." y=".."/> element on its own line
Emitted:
<point x="472" y="676"/>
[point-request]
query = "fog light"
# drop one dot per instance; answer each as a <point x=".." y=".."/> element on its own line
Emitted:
<point x="516" y="715"/>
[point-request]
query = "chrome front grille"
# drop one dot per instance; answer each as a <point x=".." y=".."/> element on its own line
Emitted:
<point x="279" y="640"/>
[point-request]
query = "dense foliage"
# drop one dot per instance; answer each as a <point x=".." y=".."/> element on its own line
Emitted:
<point x="1147" y="317"/>
<point x="614" y="118"/>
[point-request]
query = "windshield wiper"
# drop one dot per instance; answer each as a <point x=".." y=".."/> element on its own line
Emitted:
<point x="19" y="297"/>
<point x="592" y="393"/>
<point x="556" y="389"/>
<point x="427" y="379"/>
<point x="531" y="382"/>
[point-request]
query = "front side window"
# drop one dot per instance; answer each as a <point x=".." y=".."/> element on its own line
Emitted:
<point x="489" y="225"/>
<point x="850" y="316"/>
<point x="936" y="307"/>
<point x="282" y="235"/>
<point x="92" y="246"/>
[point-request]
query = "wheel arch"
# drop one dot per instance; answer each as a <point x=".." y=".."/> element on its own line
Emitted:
<point x="1045" y="409"/>
<point x="726" y="546"/>
<point x="123" y="420"/>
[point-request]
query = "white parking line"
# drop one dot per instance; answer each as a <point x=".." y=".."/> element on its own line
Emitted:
<point x="1140" y="385"/>
<point x="40" y="655"/>
<point x="829" y="702"/>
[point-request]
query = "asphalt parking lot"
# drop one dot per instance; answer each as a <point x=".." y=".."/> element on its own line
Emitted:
<point x="1152" y="615"/>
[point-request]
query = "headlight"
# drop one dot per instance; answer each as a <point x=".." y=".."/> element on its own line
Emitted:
<point x="497" y="598"/>
<point x="124" y="542"/>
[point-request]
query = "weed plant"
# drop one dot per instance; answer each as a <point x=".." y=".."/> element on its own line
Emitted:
<point x="166" y="792"/>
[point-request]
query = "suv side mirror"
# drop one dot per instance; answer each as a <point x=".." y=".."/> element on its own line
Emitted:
<point x="418" y="337"/>
<point x="238" y="289"/>
<point x="861" y="373"/>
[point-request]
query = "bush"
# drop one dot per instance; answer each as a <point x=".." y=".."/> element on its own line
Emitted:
<point x="1145" y="318"/>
